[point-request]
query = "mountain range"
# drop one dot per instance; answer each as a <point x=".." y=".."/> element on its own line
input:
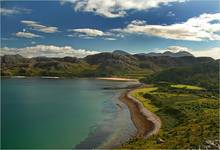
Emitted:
<point x="169" y="53"/>
<point x="116" y="63"/>
<point x="181" y="67"/>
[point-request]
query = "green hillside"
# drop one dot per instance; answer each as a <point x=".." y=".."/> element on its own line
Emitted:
<point x="204" y="74"/>
<point x="119" y="63"/>
<point x="190" y="118"/>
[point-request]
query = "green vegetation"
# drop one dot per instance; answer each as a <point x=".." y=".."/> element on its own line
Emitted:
<point x="137" y="74"/>
<point x="185" y="95"/>
<point x="117" y="64"/>
<point x="139" y="94"/>
<point x="100" y="65"/>
<point x="189" y="116"/>
<point x="204" y="75"/>
<point x="183" y="86"/>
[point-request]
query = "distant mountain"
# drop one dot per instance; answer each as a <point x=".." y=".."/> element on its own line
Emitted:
<point x="120" y="52"/>
<point x="177" y="54"/>
<point x="168" y="53"/>
<point x="150" y="54"/>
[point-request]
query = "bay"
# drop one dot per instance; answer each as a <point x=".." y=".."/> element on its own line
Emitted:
<point x="63" y="113"/>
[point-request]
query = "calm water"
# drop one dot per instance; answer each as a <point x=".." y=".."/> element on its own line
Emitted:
<point x="63" y="113"/>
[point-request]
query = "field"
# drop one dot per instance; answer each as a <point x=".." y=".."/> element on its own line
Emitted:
<point x="189" y="115"/>
<point x="183" y="86"/>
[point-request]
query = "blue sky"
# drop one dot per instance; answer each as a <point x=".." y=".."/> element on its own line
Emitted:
<point x="139" y="26"/>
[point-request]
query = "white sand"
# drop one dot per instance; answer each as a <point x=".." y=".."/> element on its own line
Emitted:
<point x="116" y="79"/>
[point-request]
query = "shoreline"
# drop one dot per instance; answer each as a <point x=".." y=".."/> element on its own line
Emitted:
<point x="58" y="77"/>
<point x="146" y="122"/>
<point x="116" y="79"/>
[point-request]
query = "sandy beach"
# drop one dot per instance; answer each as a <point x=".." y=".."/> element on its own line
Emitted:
<point x="116" y="79"/>
<point x="146" y="122"/>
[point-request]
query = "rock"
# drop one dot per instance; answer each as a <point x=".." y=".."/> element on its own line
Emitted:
<point x="209" y="142"/>
<point x="159" y="140"/>
<point x="212" y="144"/>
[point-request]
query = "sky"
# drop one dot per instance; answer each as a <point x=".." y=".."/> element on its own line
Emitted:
<point x="83" y="27"/>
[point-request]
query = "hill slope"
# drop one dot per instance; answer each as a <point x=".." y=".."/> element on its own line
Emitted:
<point x="204" y="74"/>
<point x="118" y="63"/>
<point x="169" y="53"/>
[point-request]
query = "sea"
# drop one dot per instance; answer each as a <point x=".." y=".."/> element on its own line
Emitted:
<point x="63" y="113"/>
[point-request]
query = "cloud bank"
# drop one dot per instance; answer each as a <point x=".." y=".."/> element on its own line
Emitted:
<point x="116" y="8"/>
<point x="47" y="51"/>
<point x="204" y="27"/>
<point x="62" y="51"/>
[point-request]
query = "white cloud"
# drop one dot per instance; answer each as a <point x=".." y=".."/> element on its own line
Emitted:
<point x="13" y="11"/>
<point x="27" y="35"/>
<point x="170" y="14"/>
<point x="38" y="27"/>
<point x="138" y="22"/>
<point x="47" y="51"/>
<point x="88" y="32"/>
<point x="177" y="49"/>
<point x="109" y="39"/>
<point x="8" y="39"/>
<point x="116" y="8"/>
<point x="194" y="29"/>
<point x="211" y="52"/>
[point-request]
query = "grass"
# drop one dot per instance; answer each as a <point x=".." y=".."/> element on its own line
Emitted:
<point x="190" y="87"/>
<point x="137" y="74"/>
<point x="188" y="119"/>
<point x="138" y="94"/>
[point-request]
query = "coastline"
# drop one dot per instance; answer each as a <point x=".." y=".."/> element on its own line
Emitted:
<point x="58" y="77"/>
<point x="116" y="79"/>
<point x="146" y="122"/>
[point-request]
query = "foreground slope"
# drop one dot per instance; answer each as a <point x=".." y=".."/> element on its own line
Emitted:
<point x="190" y="118"/>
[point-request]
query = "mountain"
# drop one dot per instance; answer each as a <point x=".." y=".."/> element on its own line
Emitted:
<point x="168" y="53"/>
<point x="117" y="63"/>
<point x="11" y="60"/>
<point x="112" y="63"/>
<point x="154" y="54"/>
<point x="177" y="54"/>
<point x="158" y="63"/>
<point x="120" y="52"/>
<point x="14" y="65"/>
<point x="150" y="54"/>
<point x="202" y="74"/>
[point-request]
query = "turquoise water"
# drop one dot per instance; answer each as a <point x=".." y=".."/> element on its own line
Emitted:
<point x="63" y="113"/>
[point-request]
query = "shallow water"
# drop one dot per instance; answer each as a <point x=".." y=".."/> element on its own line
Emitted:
<point x="63" y="113"/>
